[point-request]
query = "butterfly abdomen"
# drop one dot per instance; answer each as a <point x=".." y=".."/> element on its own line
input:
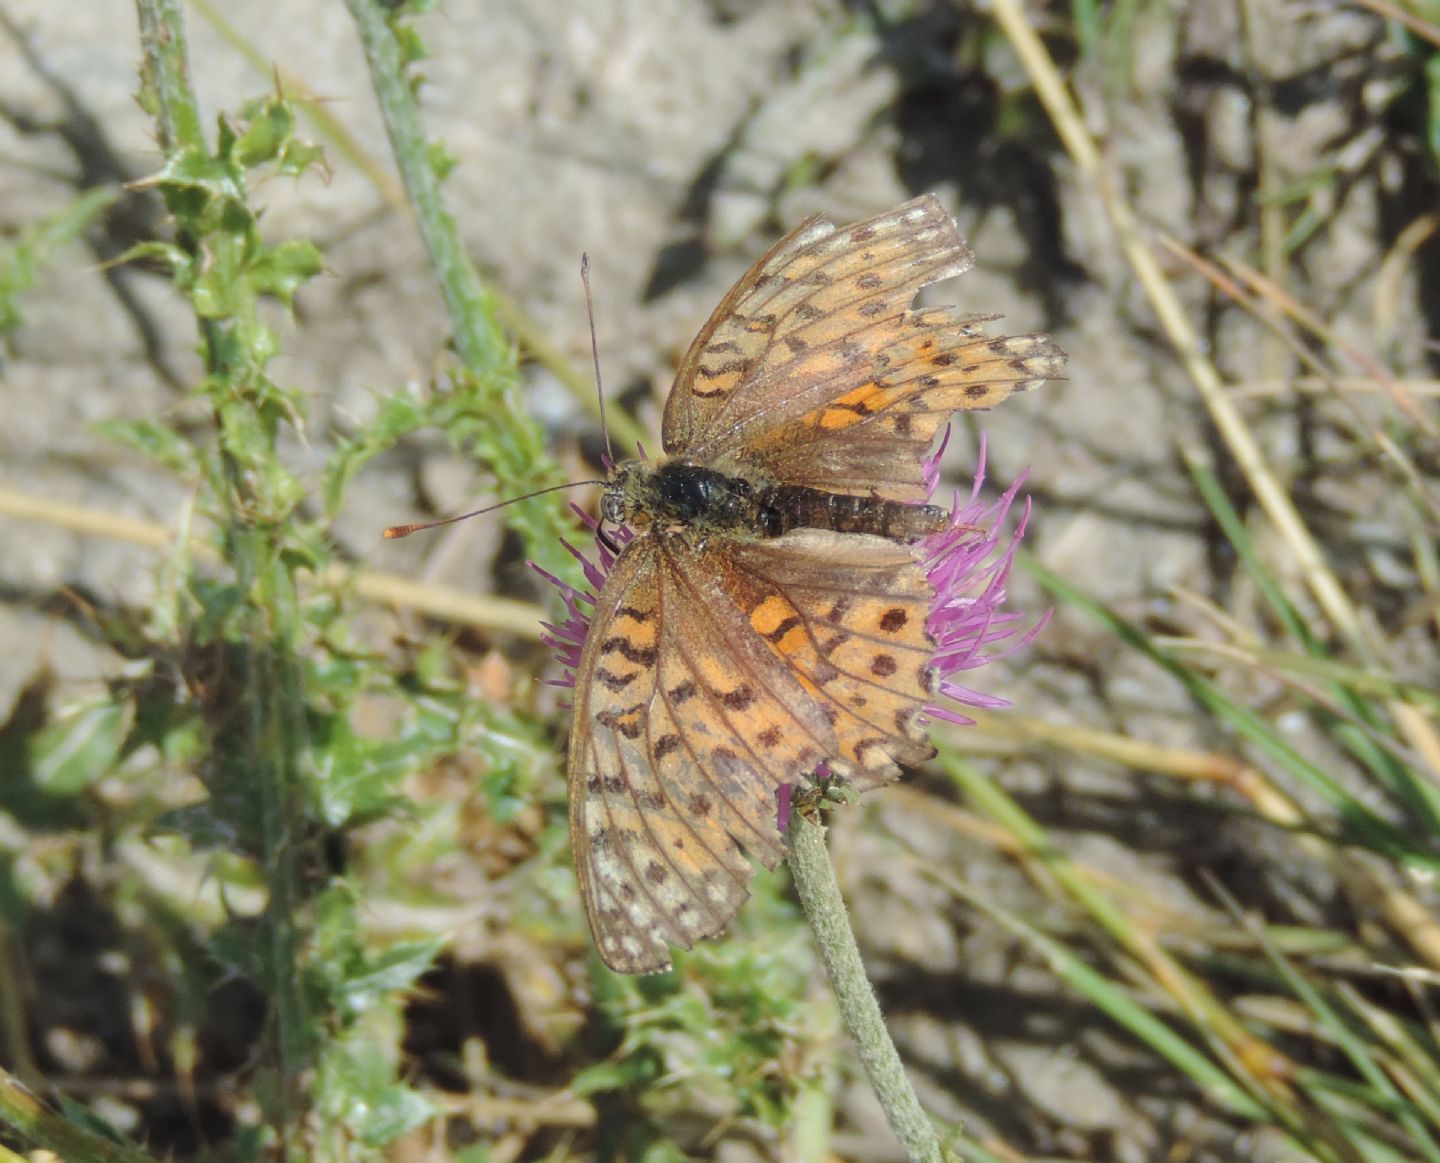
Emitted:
<point x="691" y="495"/>
<point x="785" y="507"/>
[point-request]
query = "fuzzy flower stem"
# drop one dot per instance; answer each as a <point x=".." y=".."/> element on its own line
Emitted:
<point x="825" y="910"/>
<point x="481" y="343"/>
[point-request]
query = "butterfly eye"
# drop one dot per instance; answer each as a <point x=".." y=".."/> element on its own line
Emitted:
<point x="612" y="505"/>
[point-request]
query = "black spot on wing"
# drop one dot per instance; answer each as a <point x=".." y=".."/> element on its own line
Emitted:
<point x="629" y="722"/>
<point x="738" y="699"/>
<point x="783" y="628"/>
<point x="893" y="619"/>
<point x="615" y="682"/>
<point x="618" y="644"/>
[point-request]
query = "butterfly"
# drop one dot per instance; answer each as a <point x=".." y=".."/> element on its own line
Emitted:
<point x="768" y="615"/>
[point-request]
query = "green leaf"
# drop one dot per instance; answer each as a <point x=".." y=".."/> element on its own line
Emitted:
<point x="218" y="294"/>
<point x="298" y="157"/>
<point x="400" y="414"/>
<point x="234" y="948"/>
<point x="357" y="781"/>
<point x="398" y="968"/>
<point x="91" y="1120"/>
<point x="442" y="161"/>
<point x="203" y="829"/>
<point x="158" y="442"/>
<point x="281" y="270"/>
<point x="357" y="1082"/>
<point x="218" y="601"/>
<point x="662" y="1151"/>
<point x="266" y="136"/>
<point x="412" y="48"/>
<point x="384" y="1114"/>
<point x="80" y="747"/>
<point x="194" y="169"/>
<point x="179" y="263"/>
<point x="306" y="550"/>
<point x="22" y="263"/>
<point x="605" y="1076"/>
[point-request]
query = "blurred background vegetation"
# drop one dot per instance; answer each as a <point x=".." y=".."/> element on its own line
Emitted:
<point x="283" y="864"/>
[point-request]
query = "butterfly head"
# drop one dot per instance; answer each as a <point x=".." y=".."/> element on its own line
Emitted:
<point x="624" y="492"/>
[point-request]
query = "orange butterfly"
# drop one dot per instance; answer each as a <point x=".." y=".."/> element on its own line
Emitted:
<point x="769" y="615"/>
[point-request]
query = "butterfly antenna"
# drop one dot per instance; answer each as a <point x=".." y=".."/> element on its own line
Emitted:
<point x="595" y="354"/>
<point x="395" y="532"/>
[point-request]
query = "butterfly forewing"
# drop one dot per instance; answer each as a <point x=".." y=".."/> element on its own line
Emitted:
<point x="816" y="371"/>
<point x="727" y="346"/>
<point x="872" y="438"/>
<point x="802" y="317"/>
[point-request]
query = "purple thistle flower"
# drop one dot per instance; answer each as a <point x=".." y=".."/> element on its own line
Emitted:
<point x="568" y="638"/>
<point x="968" y="563"/>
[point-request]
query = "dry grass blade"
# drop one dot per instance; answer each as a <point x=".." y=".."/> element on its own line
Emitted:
<point x="1180" y="763"/>
<point x="1388" y="278"/>
<point x="1140" y="253"/>
<point x="501" y="614"/>
<point x="1421" y="28"/>
<point x="1350" y="385"/>
<point x="1284" y="304"/>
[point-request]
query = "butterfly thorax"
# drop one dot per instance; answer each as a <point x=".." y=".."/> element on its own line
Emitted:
<point x="675" y="495"/>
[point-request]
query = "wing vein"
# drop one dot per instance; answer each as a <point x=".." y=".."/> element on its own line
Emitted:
<point x="823" y="745"/>
<point x="809" y="624"/>
<point x="687" y="742"/>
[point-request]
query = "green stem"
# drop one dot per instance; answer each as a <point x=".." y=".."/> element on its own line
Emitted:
<point x="271" y="741"/>
<point x="507" y="437"/>
<point x="41" y="1127"/>
<point x="825" y="909"/>
<point x="166" y="91"/>
<point x="478" y="337"/>
<point x="275" y="701"/>
<point x="165" y="78"/>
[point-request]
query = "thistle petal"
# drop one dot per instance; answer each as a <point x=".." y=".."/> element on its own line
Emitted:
<point x="968" y="562"/>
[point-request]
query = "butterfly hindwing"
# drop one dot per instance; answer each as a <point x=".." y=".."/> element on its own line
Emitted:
<point x="685" y="727"/>
<point x="846" y="613"/>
